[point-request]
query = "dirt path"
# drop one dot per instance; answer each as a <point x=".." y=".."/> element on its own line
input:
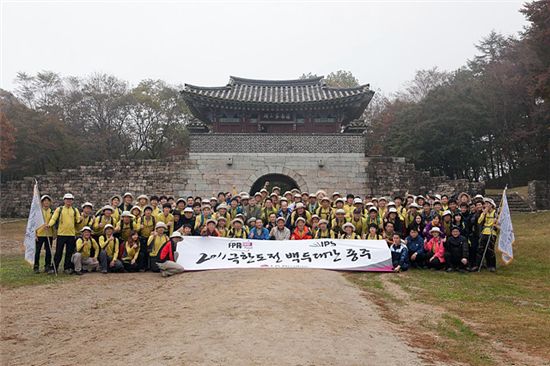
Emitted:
<point x="233" y="317"/>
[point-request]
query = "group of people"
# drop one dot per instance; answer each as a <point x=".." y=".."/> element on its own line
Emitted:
<point x="141" y="234"/>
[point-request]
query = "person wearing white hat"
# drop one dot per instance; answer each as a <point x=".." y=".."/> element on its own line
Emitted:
<point x="104" y="217"/>
<point x="188" y="218"/>
<point x="237" y="231"/>
<point x="210" y="228"/>
<point x="374" y="219"/>
<point x="382" y="207"/>
<point x="127" y="202"/>
<point x="435" y="249"/>
<point x="114" y="202"/>
<point x="66" y="219"/>
<point x="339" y="205"/>
<point x="299" y="211"/>
<point x="201" y="219"/>
<point x="412" y="212"/>
<point x="323" y="232"/>
<point x="126" y="225"/>
<point x="157" y="239"/>
<point x="87" y="216"/>
<point x="393" y="217"/>
<point x="108" y="254"/>
<point x="349" y="232"/>
<point x="487" y="223"/>
<point x="82" y="257"/>
<point x="167" y="257"/>
<point x="222" y="212"/>
<point x="447" y="218"/>
<point x="337" y="224"/>
<point x="44" y="237"/>
<point x="358" y="204"/>
<point x="301" y="232"/>
<point x="222" y="226"/>
<point x="142" y="201"/>
<point x="280" y="231"/>
<point x="267" y="210"/>
<point x="325" y="210"/>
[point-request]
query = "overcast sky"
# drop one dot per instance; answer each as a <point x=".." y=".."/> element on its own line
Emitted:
<point x="202" y="43"/>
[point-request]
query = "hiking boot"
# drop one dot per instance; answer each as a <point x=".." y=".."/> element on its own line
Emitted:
<point x="450" y="269"/>
<point x="492" y="269"/>
<point x="104" y="271"/>
<point x="50" y="271"/>
<point x="68" y="271"/>
<point x="36" y="271"/>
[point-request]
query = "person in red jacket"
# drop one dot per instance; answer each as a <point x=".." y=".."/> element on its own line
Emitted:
<point x="301" y="232"/>
<point x="167" y="256"/>
<point x="435" y="249"/>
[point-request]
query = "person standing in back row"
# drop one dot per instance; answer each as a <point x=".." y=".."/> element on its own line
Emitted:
<point x="66" y="219"/>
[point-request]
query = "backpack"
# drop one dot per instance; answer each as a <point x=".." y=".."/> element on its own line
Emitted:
<point x="58" y="221"/>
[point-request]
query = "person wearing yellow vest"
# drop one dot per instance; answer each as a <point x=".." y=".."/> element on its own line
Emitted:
<point x="154" y="203"/>
<point x="325" y="210"/>
<point x="131" y="253"/>
<point x="487" y="222"/>
<point x="136" y="211"/>
<point x="104" y="218"/>
<point x="222" y="226"/>
<point x="200" y="220"/>
<point x="299" y="211"/>
<point x="373" y="233"/>
<point x="323" y="232"/>
<point x="86" y="215"/>
<point x="83" y="258"/>
<point x="108" y="254"/>
<point x="44" y="237"/>
<point x="349" y="232"/>
<point x="339" y="205"/>
<point x="374" y="219"/>
<point x="147" y="223"/>
<point x="222" y="212"/>
<point x="114" y="202"/>
<point x="382" y="208"/>
<point x="155" y="242"/>
<point x="337" y="224"/>
<point x="237" y="231"/>
<point x="349" y="204"/>
<point x="126" y="225"/>
<point x="359" y="222"/>
<point x="166" y="217"/>
<point x="65" y="218"/>
<point x="142" y="201"/>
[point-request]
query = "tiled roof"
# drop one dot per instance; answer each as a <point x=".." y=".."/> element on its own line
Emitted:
<point x="298" y="91"/>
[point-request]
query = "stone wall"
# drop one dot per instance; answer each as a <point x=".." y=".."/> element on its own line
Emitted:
<point x="393" y="175"/>
<point x="539" y="194"/>
<point x="277" y="143"/>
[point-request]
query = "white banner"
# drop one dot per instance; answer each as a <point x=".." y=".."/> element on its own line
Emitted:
<point x="36" y="219"/>
<point x="506" y="235"/>
<point x="200" y="253"/>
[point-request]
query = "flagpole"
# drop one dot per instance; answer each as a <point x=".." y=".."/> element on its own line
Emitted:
<point x="51" y="251"/>
<point x="491" y="235"/>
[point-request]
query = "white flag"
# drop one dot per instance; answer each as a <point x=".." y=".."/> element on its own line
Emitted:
<point x="36" y="219"/>
<point x="506" y="236"/>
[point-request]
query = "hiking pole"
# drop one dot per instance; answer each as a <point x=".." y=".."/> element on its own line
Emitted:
<point x="51" y="251"/>
<point x="484" y="252"/>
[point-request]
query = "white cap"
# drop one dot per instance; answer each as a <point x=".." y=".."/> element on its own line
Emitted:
<point x="128" y="194"/>
<point x="89" y="204"/>
<point x="107" y="207"/>
<point x="435" y="228"/>
<point x="490" y="200"/>
<point x="341" y="211"/>
<point x="393" y="209"/>
<point x="86" y="228"/>
<point x="68" y="196"/>
<point x="108" y="226"/>
<point x="143" y="196"/>
<point x="161" y="224"/>
<point x="136" y="207"/>
<point x="176" y="234"/>
<point x="187" y="209"/>
<point x="391" y="203"/>
<point x="127" y="214"/>
<point x="340" y="200"/>
<point x="299" y="205"/>
<point x="348" y="224"/>
<point x="300" y="219"/>
<point x="45" y="197"/>
<point x="357" y="200"/>
<point x="415" y="205"/>
<point x="446" y="212"/>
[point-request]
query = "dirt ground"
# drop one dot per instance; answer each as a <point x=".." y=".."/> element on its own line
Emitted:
<point x="229" y="317"/>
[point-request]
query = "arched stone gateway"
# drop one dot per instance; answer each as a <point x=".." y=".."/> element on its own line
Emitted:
<point x="282" y="181"/>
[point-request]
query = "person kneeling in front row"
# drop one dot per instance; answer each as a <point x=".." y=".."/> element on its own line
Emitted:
<point x="415" y="246"/>
<point x="82" y="258"/>
<point x="399" y="254"/>
<point x="167" y="257"/>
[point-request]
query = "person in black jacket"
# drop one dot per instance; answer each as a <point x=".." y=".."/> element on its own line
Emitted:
<point x="456" y="251"/>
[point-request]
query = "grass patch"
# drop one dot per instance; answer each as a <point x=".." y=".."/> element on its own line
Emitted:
<point x="16" y="272"/>
<point x="511" y="306"/>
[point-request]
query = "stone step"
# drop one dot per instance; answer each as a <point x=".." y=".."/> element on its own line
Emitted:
<point x="515" y="202"/>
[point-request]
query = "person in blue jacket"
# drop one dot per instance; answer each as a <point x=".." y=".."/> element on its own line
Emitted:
<point x="415" y="246"/>
<point x="259" y="232"/>
<point x="399" y="254"/>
